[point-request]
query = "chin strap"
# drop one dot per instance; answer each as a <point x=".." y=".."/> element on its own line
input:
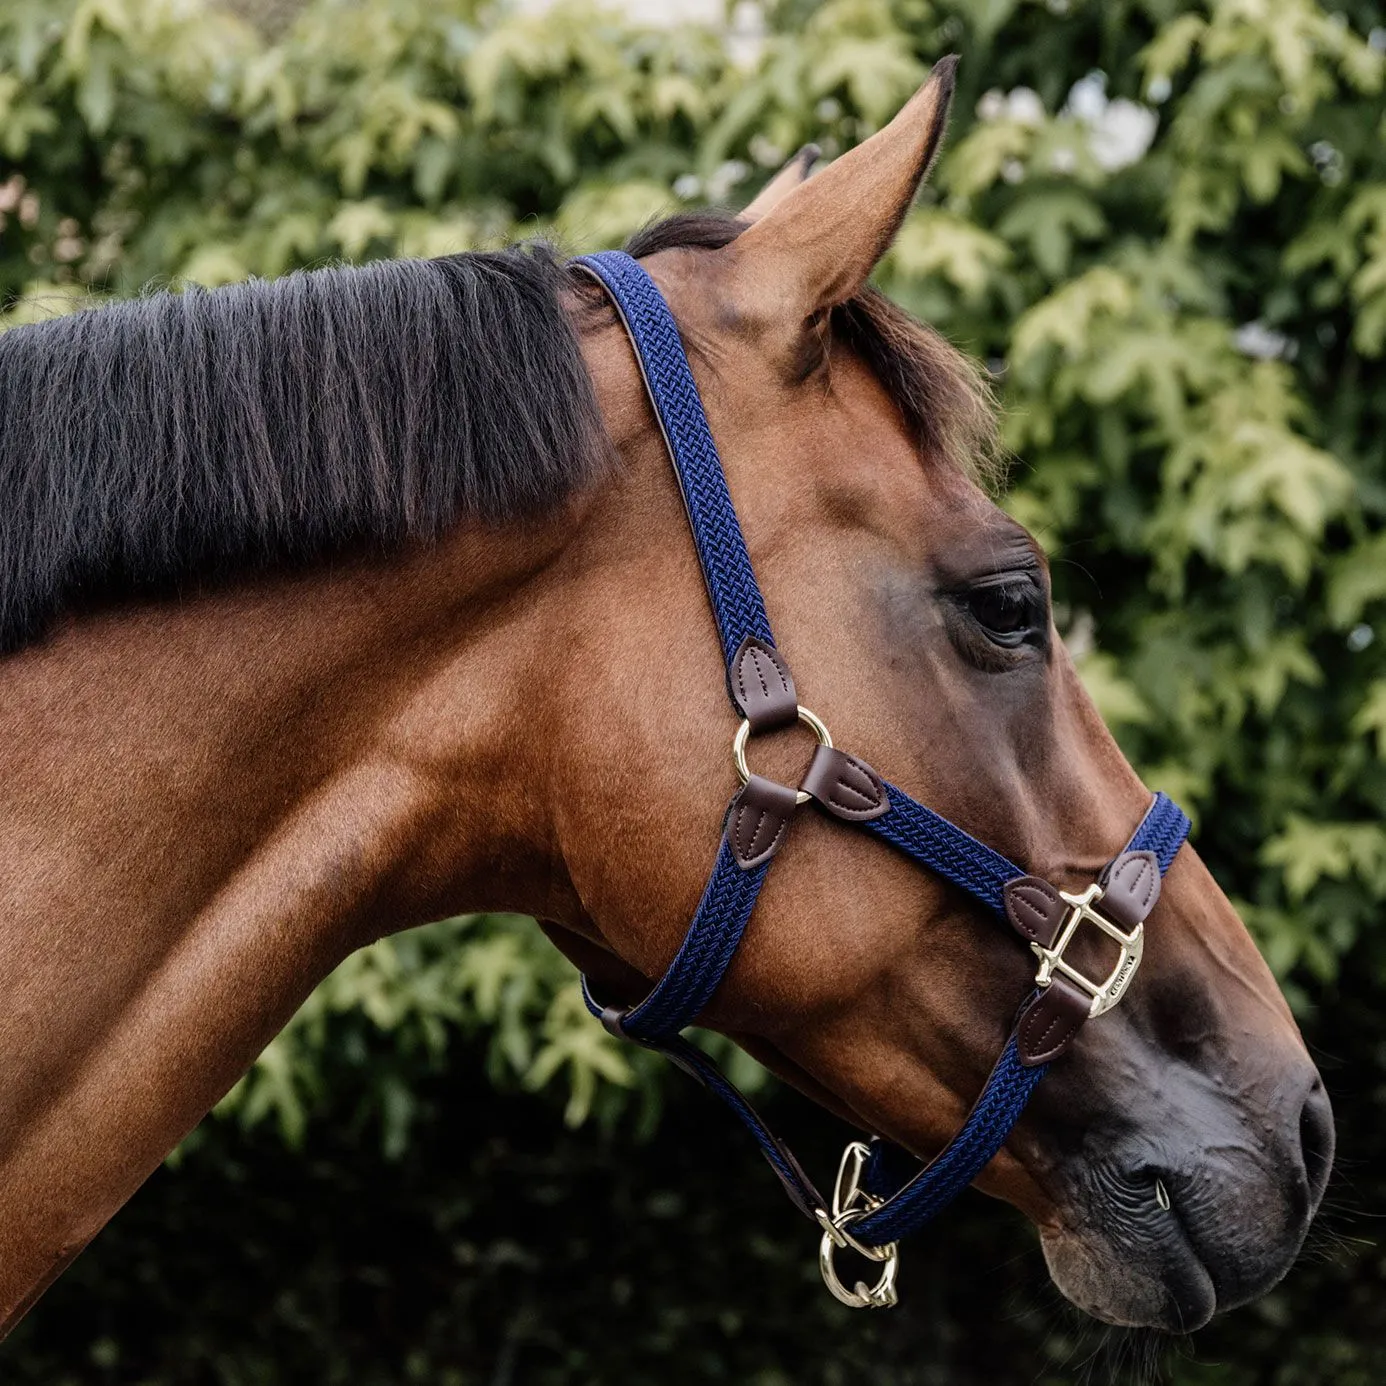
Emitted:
<point x="874" y="1204"/>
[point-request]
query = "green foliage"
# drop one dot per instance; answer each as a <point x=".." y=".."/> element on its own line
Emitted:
<point x="492" y="981"/>
<point x="1163" y="223"/>
<point x="426" y="990"/>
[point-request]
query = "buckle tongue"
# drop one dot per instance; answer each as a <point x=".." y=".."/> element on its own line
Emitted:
<point x="1106" y="993"/>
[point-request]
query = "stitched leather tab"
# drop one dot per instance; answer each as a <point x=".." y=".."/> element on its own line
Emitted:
<point x="1035" y="909"/>
<point x="847" y="787"/>
<point x="758" y="820"/>
<point x="761" y="686"/>
<point x="1130" y="888"/>
<point x="1049" y="1023"/>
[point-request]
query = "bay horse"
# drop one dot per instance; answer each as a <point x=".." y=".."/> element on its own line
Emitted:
<point x="338" y="604"/>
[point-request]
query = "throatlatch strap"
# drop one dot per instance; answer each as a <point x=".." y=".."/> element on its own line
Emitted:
<point x="722" y="915"/>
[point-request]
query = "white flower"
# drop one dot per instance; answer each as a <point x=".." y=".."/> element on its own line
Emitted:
<point x="1123" y="134"/>
<point x="991" y="105"/>
<point x="724" y="178"/>
<point x="1264" y="343"/>
<point x="1024" y="107"/>
<point x="1120" y="131"/>
<point x="766" y="152"/>
<point x="1087" y="99"/>
<point x="1021" y="105"/>
<point x="746" y="34"/>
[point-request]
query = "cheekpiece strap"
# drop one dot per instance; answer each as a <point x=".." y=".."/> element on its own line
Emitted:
<point x="731" y="584"/>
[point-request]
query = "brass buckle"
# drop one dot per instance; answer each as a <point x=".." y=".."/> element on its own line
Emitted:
<point x="851" y="1201"/>
<point x="1107" y="993"/>
<point x="743" y="734"/>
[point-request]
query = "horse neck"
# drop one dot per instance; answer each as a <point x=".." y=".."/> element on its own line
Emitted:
<point x="208" y="803"/>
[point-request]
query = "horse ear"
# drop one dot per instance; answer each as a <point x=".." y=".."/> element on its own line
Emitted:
<point x="796" y="171"/>
<point x="817" y="245"/>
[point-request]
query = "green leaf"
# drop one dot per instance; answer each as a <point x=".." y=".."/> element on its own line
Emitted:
<point x="1310" y="852"/>
<point x="1370" y="717"/>
<point x="935" y="242"/>
<point x="1048" y="222"/>
<point x="1356" y="579"/>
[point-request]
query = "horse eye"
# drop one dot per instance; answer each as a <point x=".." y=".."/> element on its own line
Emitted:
<point x="1007" y="612"/>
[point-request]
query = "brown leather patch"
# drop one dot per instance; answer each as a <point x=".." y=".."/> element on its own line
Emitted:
<point x="761" y="686"/>
<point x="847" y="787"/>
<point x="1130" y="888"/>
<point x="1050" y="1022"/>
<point x="1035" y="909"/>
<point x="758" y="820"/>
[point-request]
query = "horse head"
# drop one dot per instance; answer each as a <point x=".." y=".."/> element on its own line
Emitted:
<point x="1173" y="1160"/>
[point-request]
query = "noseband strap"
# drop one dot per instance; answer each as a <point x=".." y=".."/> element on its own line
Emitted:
<point x="874" y="1204"/>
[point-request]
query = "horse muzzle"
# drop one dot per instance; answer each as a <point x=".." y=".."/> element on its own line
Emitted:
<point x="1197" y="1204"/>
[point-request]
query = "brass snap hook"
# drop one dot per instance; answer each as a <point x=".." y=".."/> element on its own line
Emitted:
<point x="850" y="1202"/>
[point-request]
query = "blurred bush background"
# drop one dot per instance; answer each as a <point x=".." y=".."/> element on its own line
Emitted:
<point x="1163" y="225"/>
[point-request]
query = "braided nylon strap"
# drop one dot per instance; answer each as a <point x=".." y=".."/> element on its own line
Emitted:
<point x="708" y="947"/>
<point x="1162" y="831"/>
<point x="731" y="584"/>
<point x="931" y="840"/>
<point x="984" y="1132"/>
<point x="725" y="909"/>
<point x="960" y="858"/>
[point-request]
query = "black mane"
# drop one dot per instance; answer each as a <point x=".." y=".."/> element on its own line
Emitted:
<point x="183" y="438"/>
<point x="187" y="436"/>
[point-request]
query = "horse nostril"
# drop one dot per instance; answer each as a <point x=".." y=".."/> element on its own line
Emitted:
<point x="1316" y="1142"/>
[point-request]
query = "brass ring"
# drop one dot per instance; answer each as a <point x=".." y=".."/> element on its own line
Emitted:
<point x="881" y="1295"/>
<point x="743" y="734"/>
<point x="848" y="1194"/>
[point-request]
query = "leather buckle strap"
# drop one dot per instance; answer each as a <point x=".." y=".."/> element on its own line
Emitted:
<point x="1050" y="920"/>
<point x="845" y="786"/>
<point x="613" y="1020"/>
<point x="758" y="820"/>
<point x="763" y="689"/>
<point x="761" y="686"/>
<point x="1083" y="909"/>
<point x="747" y="728"/>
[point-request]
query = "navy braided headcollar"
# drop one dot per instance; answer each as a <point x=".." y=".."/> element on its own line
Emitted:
<point x="870" y="1211"/>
